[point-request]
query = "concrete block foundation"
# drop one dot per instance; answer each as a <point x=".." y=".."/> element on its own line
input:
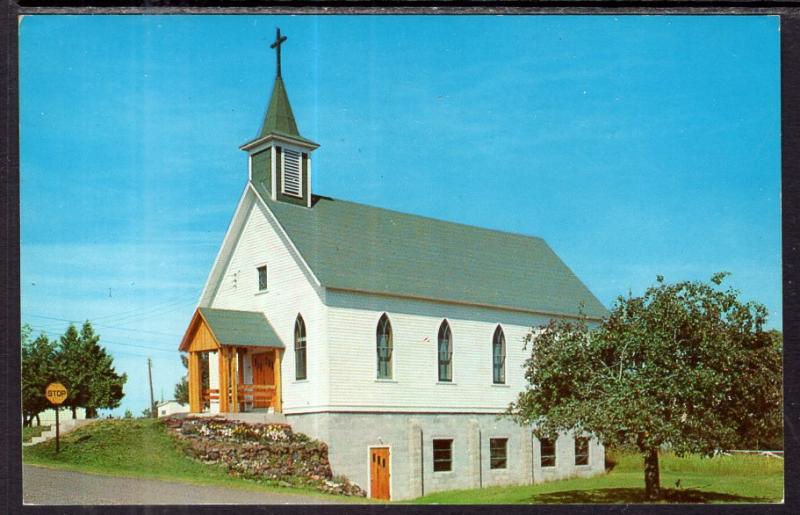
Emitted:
<point x="410" y="439"/>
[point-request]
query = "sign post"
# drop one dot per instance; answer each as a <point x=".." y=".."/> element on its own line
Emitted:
<point x="56" y="394"/>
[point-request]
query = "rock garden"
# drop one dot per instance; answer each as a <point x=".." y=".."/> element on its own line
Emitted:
<point x="264" y="452"/>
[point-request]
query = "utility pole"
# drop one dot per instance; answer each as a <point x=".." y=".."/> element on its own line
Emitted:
<point x="150" y="377"/>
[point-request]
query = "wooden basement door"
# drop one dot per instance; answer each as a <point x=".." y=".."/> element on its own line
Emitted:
<point x="263" y="373"/>
<point x="379" y="476"/>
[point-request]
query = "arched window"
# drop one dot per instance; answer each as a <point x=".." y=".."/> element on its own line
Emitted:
<point x="445" y="352"/>
<point x="300" y="360"/>
<point x="384" y="347"/>
<point x="499" y="356"/>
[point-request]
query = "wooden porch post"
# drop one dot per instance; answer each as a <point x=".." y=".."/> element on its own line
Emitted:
<point x="195" y="383"/>
<point x="278" y="400"/>
<point x="234" y="375"/>
<point x="224" y="367"/>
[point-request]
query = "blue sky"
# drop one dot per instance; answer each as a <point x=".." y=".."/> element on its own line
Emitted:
<point x="635" y="146"/>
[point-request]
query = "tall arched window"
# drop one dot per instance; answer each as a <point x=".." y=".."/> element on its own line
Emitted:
<point x="445" y="352"/>
<point x="300" y="360"/>
<point x="499" y="356"/>
<point x="384" y="347"/>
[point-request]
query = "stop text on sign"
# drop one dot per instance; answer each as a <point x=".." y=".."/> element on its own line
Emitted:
<point x="56" y="393"/>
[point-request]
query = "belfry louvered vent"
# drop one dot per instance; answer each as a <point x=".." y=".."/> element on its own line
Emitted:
<point x="292" y="179"/>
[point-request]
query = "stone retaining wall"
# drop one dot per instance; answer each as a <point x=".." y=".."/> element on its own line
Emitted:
<point x="269" y="452"/>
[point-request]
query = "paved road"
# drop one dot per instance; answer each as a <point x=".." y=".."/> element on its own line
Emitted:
<point x="51" y="486"/>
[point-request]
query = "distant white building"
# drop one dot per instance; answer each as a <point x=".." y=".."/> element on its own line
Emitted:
<point x="167" y="408"/>
<point x="396" y="339"/>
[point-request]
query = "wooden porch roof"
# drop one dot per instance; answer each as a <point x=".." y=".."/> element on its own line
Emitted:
<point x="212" y="328"/>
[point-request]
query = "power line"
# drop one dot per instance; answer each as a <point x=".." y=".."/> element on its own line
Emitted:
<point x="54" y="333"/>
<point x="130" y="311"/>
<point x="95" y="324"/>
<point x="143" y="315"/>
<point x="113" y="350"/>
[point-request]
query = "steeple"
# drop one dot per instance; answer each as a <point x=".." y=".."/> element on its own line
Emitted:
<point x="280" y="158"/>
<point x="279" y="118"/>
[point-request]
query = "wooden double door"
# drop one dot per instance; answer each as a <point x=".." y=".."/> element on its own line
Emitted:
<point x="379" y="473"/>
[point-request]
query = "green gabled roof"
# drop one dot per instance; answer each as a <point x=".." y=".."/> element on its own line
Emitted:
<point x="241" y="328"/>
<point x="279" y="118"/>
<point x="358" y="247"/>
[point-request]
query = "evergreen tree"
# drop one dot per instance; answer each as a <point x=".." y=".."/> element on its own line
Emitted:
<point x="105" y="385"/>
<point x="87" y="371"/>
<point x="74" y="369"/>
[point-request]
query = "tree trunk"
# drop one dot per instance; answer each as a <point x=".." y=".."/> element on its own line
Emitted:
<point x="652" y="481"/>
<point x="74" y="413"/>
<point x="38" y="420"/>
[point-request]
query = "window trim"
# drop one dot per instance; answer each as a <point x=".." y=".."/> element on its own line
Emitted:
<point x="502" y="340"/>
<point x="266" y="277"/>
<point x="542" y="455"/>
<point x="587" y="454"/>
<point x="449" y="332"/>
<point x="494" y="459"/>
<point x="433" y="455"/>
<point x="389" y="375"/>
<point x="301" y="323"/>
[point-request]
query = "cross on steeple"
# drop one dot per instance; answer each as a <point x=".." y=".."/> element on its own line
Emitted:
<point x="277" y="46"/>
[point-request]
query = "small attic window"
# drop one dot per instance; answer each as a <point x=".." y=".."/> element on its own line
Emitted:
<point x="291" y="173"/>
<point x="262" y="278"/>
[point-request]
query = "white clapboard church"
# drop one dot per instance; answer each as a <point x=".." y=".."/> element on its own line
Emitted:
<point x="395" y="338"/>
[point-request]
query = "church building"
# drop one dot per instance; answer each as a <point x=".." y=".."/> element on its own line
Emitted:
<point x="396" y="339"/>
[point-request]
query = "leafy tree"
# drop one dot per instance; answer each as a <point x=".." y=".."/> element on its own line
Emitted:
<point x="37" y="372"/>
<point x="767" y="430"/>
<point x="128" y="414"/>
<point x="686" y="365"/>
<point x="182" y="388"/>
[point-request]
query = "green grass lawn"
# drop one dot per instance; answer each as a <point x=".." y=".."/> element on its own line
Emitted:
<point x="28" y="433"/>
<point x="142" y="448"/>
<point x="737" y="478"/>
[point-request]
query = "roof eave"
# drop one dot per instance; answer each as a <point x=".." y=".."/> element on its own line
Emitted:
<point x="533" y="311"/>
<point x="280" y="137"/>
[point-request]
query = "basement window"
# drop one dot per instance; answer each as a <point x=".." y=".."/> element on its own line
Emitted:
<point x="291" y="173"/>
<point x="262" y="278"/>
<point x="581" y="451"/>
<point x="548" y="452"/>
<point x="498" y="448"/>
<point x="442" y="455"/>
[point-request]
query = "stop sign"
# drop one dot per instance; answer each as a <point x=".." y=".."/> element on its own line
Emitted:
<point x="55" y="393"/>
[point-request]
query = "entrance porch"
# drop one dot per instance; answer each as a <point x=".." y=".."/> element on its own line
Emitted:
<point x="243" y="368"/>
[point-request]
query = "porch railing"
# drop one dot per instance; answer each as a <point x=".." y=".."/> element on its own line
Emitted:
<point x="210" y="395"/>
<point x="248" y="393"/>
<point x="256" y="394"/>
